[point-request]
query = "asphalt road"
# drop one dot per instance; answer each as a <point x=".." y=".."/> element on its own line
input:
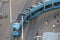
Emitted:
<point x="39" y="24"/>
<point x="5" y="28"/>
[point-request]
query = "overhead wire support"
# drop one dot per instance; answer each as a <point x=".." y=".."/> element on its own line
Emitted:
<point x="22" y="27"/>
<point x="21" y="11"/>
<point x="52" y="3"/>
<point x="10" y="11"/>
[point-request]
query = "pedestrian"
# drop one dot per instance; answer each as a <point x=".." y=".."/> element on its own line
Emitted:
<point x="55" y="16"/>
<point x="57" y="22"/>
<point x="6" y="15"/>
<point x="47" y="22"/>
<point x="54" y="27"/>
<point x="0" y="23"/>
<point x="37" y="33"/>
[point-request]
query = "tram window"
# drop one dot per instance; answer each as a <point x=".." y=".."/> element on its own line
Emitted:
<point x="48" y="6"/>
<point x="41" y="9"/>
<point x="31" y="7"/>
<point x="58" y="3"/>
<point x="24" y="23"/>
<point x="20" y="28"/>
<point x="14" y="29"/>
<point x="37" y="11"/>
<point x="18" y="21"/>
<point x="19" y="16"/>
<point x="32" y="13"/>
<point x="28" y="17"/>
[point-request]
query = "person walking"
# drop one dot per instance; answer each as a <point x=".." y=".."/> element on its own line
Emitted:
<point x="47" y="22"/>
<point x="55" y="16"/>
<point x="37" y="33"/>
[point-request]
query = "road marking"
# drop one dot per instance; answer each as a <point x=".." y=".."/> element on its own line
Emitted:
<point x="37" y="37"/>
<point x="10" y="12"/>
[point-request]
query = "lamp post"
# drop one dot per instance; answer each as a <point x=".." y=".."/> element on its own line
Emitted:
<point x="52" y="3"/>
<point x="10" y="11"/>
<point x="44" y="4"/>
<point x="22" y="15"/>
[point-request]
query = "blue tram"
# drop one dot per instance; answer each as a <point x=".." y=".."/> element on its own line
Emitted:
<point x="34" y="11"/>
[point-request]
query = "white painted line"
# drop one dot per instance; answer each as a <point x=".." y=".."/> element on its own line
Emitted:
<point x="10" y="12"/>
<point x="39" y="36"/>
<point x="22" y="27"/>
